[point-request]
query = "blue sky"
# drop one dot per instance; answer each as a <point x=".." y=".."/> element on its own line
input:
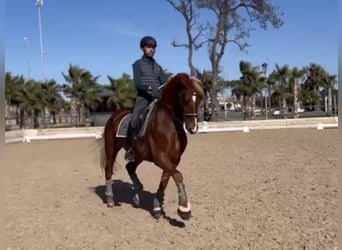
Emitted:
<point x="103" y="37"/>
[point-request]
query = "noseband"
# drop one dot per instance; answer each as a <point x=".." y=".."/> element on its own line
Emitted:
<point x="190" y="114"/>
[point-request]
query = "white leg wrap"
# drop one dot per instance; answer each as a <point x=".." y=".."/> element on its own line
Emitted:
<point x="185" y="209"/>
<point x="157" y="209"/>
<point x="109" y="190"/>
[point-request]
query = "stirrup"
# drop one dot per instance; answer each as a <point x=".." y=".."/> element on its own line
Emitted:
<point x="129" y="155"/>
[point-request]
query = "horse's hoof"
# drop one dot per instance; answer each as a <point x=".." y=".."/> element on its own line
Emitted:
<point x="110" y="204"/>
<point x="110" y="201"/>
<point x="136" y="201"/>
<point x="184" y="215"/>
<point x="158" y="214"/>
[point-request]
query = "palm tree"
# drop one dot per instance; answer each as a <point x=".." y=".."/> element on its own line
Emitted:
<point x="282" y="76"/>
<point x="10" y="90"/>
<point x="30" y="102"/>
<point x="315" y="75"/>
<point x="296" y="75"/>
<point x="329" y="82"/>
<point x="14" y="88"/>
<point x="258" y="84"/>
<point x="52" y="98"/>
<point x="250" y="84"/>
<point x="240" y="90"/>
<point x="82" y="89"/>
<point x="123" y="92"/>
<point x="271" y="82"/>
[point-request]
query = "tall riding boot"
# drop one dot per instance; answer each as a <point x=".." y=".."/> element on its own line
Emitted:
<point x="129" y="155"/>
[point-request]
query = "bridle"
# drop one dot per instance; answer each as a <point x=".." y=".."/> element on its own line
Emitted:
<point x="189" y="115"/>
<point x="185" y="114"/>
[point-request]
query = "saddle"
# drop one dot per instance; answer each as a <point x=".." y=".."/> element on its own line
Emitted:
<point x="123" y="125"/>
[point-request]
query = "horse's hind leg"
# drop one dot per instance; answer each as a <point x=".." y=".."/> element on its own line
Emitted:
<point x="138" y="187"/>
<point x="108" y="176"/>
<point x="184" y="208"/>
<point x="110" y="158"/>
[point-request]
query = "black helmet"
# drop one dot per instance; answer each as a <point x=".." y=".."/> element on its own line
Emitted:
<point x="148" y="40"/>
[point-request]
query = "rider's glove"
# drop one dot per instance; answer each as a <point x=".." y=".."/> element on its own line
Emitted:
<point x="154" y="92"/>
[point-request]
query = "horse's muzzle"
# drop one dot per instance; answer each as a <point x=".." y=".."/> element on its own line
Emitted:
<point x="191" y="125"/>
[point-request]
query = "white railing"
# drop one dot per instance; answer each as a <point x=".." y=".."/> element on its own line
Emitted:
<point x="204" y="127"/>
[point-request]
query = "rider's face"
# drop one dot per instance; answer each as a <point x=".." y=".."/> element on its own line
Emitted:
<point x="149" y="50"/>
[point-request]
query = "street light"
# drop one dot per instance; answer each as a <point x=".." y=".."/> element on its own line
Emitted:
<point x="264" y="67"/>
<point x="27" y="41"/>
<point x="39" y="4"/>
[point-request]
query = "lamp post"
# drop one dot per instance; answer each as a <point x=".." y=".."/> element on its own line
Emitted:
<point x="27" y="41"/>
<point x="264" y="67"/>
<point x="39" y="4"/>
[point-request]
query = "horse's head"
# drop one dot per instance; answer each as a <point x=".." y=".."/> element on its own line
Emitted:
<point x="185" y="99"/>
<point x="190" y="99"/>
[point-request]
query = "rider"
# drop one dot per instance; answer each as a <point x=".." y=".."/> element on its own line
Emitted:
<point x="148" y="76"/>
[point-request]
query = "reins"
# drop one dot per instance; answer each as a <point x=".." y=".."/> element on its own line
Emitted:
<point x="171" y="111"/>
<point x="180" y="120"/>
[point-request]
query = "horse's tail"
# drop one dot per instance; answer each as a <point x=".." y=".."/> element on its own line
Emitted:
<point x="107" y="139"/>
<point x="103" y="158"/>
<point x="102" y="153"/>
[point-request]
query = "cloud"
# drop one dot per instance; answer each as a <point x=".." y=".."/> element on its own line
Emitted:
<point x="127" y="29"/>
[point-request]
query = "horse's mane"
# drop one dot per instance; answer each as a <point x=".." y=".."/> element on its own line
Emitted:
<point x="175" y="85"/>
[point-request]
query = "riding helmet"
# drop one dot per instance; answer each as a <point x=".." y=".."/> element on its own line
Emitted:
<point x="148" y="40"/>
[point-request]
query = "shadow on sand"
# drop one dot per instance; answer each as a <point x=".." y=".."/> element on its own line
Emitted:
<point x="123" y="193"/>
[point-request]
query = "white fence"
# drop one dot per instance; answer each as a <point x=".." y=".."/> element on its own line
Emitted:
<point x="204" y="127"/>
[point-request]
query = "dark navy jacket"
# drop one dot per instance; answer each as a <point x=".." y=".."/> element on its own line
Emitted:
<point x="147" y="75"/>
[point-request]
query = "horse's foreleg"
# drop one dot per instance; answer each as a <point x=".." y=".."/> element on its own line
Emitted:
<point x="138" y="187"/>
<point x="184" y="208"/>
<point x="159" y="198"/>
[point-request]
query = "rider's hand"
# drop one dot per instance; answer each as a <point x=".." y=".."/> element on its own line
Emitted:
<point x="154" y="92"/>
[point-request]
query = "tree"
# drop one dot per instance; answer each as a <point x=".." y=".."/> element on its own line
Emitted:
<point x="231" y="17"/>
<point x="31" y="102"/>
<point x="315" y="75"/>
<point x="328" y="83"/>
<point x="52" y="98"/>
<point x="296" y="75"/>
<point x="206" y="78"/>
<point x="82" y="89"/>
<point x="123" y="92"/>
<point x="282" y="75"/>
<point x="271" y="83"/>
<point x="187" y="9"/>
<point x="14" y="86"/>
<point x="250" y="84"/>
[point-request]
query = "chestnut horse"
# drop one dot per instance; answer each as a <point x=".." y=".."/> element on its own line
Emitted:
<point x="164" y="142"/>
